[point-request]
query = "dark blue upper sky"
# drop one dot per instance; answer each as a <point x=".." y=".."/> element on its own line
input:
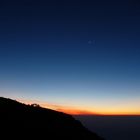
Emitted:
<point x="86" y="51"/>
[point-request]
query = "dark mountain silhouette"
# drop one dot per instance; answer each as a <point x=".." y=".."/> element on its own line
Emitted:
<point x="19" y="121"/>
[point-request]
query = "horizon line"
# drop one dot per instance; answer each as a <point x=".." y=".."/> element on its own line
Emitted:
<point x="72" y="110"/>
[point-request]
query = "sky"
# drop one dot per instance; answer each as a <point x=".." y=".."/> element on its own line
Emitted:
<point x="72" y="56"/>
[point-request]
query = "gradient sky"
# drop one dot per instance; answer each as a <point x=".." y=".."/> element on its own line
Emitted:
<point x="78" y="54"/>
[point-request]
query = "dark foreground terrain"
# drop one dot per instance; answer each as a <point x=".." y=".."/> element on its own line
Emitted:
<point x="20" y="121"/>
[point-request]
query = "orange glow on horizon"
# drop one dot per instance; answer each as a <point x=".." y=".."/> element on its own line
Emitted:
<point x="77" y="111"/>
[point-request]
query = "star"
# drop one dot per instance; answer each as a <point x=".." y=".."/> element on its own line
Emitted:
<point x="91" y="42"/>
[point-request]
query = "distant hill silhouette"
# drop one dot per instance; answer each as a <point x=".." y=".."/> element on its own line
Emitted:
<point x="19" y="121"/>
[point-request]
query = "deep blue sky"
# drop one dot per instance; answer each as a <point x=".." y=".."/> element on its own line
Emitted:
<point x="81" y="53"/>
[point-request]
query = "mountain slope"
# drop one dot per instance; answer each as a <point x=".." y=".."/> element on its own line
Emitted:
<point x="26" y="121"/>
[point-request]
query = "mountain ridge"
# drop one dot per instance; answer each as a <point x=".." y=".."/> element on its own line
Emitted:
<point x="37" y="122"/>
